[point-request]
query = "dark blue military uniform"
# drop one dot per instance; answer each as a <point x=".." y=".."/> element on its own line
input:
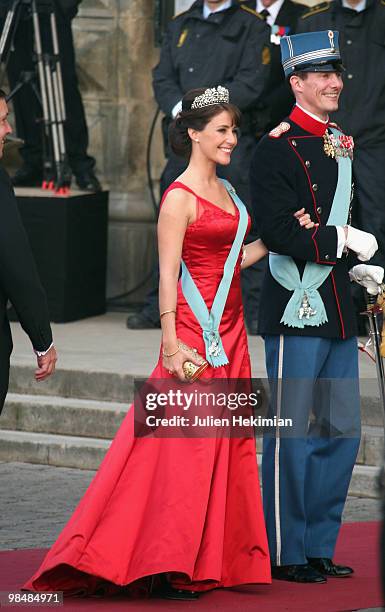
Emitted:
<point x="361" y="110"/>
<point x="287" y="173"/>
<point x="313" y="371"/>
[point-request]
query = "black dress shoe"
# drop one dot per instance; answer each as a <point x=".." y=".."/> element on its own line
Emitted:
<point x="87" y="181"/>
<point x="326" y="567"/>
<point x="140" y="321"/>
<point x="297" y="573"/>
<point x="27" y="176"/>
<point x="168" y="592"/>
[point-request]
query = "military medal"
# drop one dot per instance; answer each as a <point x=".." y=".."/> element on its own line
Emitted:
<point x="338" y="147"/>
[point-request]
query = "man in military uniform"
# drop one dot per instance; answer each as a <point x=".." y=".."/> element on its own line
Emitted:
<point x="28" y="110"/>
<point x="217" y="42"/>
<point x="306" y="315"/>
<point x="361" y="111"/>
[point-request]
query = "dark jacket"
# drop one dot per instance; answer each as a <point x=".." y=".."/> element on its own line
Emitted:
<point x="288" y="173"/>
<point x="229" y="48"/>
<point x="19" y="283"/>
<point x="362" y="42"/>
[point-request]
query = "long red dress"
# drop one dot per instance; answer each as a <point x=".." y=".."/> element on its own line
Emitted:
<point x="189" y="507"/>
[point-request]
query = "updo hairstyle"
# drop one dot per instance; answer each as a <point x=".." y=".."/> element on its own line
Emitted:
<point x="196" y="119"/>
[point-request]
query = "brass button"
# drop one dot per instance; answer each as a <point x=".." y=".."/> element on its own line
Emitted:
<point x="326" y="257"/>
<point x="294" y="143"/>
<point x="307" y="164"/>
<point x="315" y="187"/>
<point x="319" y="210"/>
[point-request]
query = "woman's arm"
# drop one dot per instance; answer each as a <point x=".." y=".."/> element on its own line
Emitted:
<point x="177" y="211"/>
<point x="256" y="250"/>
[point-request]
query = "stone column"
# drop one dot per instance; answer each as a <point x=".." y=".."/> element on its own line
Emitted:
<point x="115" y="54"/>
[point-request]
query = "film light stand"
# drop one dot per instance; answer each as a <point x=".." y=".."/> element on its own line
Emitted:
<point x="48" y="87"/>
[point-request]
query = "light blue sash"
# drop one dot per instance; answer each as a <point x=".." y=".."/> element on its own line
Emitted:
<point x="305" y="306"/>
<point x="210" y="321"/>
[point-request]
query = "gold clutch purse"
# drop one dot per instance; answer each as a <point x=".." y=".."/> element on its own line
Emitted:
<point x="191" y="370"/>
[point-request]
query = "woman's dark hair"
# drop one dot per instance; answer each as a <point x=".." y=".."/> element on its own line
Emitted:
<point x="196" y="119"/>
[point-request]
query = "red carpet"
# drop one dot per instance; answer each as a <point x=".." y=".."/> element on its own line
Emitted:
<point x="357" y="546"/>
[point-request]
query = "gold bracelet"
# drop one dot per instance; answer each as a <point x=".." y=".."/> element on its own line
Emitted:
<point x="171" y="354"/>
<point x="166" y="312"/>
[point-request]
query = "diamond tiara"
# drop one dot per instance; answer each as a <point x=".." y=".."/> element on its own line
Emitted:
<point x="213" y="95"/>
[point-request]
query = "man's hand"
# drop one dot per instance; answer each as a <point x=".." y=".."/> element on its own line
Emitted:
<point x="362" y="243"/>
<point x="46" y="364"/>
<point x="369" y="277"/>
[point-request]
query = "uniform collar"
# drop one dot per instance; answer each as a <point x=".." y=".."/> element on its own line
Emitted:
<point x="307" y="121"/>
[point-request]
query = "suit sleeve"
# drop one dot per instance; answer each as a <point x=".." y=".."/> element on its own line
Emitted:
<point x="247" y="85"/>
<point x="164" y="76"/>
<point x="18" y="275"/>
<point x="275" y="200"/>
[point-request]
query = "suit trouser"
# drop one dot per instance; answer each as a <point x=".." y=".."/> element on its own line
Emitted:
<point x="307" y="468"/>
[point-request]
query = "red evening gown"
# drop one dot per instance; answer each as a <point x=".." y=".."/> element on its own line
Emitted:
<point x="188" y="507"/>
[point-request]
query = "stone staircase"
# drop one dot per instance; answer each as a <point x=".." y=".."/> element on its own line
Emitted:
<point x="70" y="420"/>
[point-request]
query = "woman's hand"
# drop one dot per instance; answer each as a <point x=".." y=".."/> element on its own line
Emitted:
<point x="174" y="364"/>
<point x="304" y="219"/>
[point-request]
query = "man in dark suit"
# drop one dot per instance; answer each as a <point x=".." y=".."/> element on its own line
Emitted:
<point x="19" y="281"/>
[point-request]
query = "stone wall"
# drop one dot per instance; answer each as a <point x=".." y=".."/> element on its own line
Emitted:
<point x="115" y="55"/>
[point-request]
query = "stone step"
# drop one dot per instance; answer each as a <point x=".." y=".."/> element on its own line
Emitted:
<point x="371" y="450"/>
<point x="105" y="386"/>
<point x="110" y="386"/>
<point x="87" y="453"/>
<point x="364" y="481"/>
<point x="62" y="416"/>
<point x="49" y="449"/>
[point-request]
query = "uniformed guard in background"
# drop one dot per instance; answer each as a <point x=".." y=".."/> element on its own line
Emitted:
<point x="282" y="17"/>
<point x="28" y="110"/>
<point x="212" y="43"/>
<point x="307" y="316"/>
<point x="361" y="111"/>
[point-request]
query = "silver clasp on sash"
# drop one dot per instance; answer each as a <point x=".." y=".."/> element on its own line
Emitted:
<point x="305" y="310"/>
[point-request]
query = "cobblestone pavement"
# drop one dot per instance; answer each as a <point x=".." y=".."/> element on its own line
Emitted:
<point x="37" y="500"/>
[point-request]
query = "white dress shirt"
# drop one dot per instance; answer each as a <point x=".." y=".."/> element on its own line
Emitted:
<point x="273" y="10"/>
<point x="361" y="6"/>
<point x="207" y="11"/>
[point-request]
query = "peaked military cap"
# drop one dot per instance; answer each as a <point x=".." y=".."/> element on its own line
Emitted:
<point x="311" y="52"/>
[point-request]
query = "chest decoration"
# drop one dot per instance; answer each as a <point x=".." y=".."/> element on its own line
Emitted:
<point x="338" y="147"/>
<point x="277" y="32"/>
<point x="306" y="311"/>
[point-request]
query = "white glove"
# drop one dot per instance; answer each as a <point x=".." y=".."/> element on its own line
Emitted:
<point x="362" y="243"/>
<point x="369" y="277"/>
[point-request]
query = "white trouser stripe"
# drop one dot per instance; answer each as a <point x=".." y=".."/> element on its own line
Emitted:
<point x="277" y="506"/>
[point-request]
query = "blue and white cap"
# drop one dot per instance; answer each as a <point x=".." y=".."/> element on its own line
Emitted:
<point x="311" y="52"/>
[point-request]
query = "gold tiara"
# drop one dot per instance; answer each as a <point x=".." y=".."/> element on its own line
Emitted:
<point x="215" y="95"/>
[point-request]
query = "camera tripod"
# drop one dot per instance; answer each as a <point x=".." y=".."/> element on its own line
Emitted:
<point x="46" y="83"/>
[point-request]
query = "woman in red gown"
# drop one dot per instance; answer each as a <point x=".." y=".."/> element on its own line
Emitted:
<point x="186" y="508"/>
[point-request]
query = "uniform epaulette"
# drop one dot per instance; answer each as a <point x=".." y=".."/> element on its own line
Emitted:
<point x="279" y="130"/>
<point x="318" y="8"/>
<point x="251" y="11"/>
